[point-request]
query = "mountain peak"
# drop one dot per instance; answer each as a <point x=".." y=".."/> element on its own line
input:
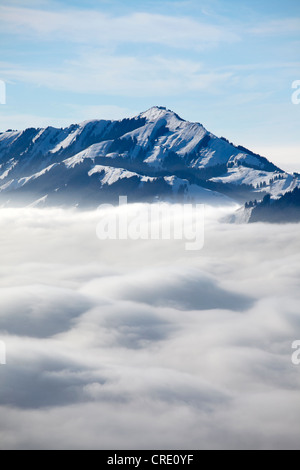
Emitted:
<point x="157" y="112"/>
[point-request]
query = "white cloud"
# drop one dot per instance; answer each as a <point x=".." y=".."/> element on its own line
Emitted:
<point x="83" y="26"/>
<point x="280" y="26"/>
<point x="145" y="345"/>
<point x="122" y="76"/>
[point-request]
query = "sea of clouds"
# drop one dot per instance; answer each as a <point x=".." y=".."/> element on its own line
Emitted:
<point x="141" y="344"/>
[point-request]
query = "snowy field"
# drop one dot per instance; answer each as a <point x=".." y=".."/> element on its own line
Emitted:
<point x="142" y="344"/>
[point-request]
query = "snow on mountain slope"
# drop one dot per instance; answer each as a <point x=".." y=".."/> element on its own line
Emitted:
<point x="26" y="179"/>
<point x="274" y="183"/>
<point x="154" y="154"/>
<point x="7" y="138"/>
<point x="112" y="175"/>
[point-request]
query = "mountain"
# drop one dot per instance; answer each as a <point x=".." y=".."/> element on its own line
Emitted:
<point x="282" y="210"/>
<point x="153" y="156"/>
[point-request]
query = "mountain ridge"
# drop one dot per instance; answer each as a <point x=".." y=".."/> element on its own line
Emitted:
<point x="154" y="155"/>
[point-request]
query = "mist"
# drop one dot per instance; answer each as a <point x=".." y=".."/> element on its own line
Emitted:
<point x="122" y="344"/>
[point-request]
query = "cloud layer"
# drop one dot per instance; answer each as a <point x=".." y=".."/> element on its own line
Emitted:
<point x="142" y="344"/>
<point x="84" y="26"/>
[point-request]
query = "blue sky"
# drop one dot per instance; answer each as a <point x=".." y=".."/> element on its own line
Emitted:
<point x="228" y="64"/>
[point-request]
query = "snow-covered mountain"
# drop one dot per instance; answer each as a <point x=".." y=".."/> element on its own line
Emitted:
<point x="155" y="155"/>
